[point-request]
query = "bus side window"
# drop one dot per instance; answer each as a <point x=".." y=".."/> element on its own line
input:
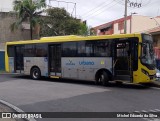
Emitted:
<point x="41" y="50"/>
<point x="69" y="49"/>
<point x="10" y="51"/>
<point x="89" y="48"/>
<point x="81" y="49"/>
<point x="102" y="48"/>
<point x="29" y="51"/>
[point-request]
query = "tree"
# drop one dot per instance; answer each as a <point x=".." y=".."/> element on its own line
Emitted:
<point x="59" y="22"/>
<point x="28" y="10"/>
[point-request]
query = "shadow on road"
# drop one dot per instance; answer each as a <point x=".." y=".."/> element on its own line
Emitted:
<point x="88" y="83"/>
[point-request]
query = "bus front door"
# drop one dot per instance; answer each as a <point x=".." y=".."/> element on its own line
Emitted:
<point x="19" y="59"/>
<point x="55" y="60"/>
<point x="122" y="62"/>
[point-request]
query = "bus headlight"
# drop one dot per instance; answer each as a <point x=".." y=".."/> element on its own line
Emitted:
<point x="145" y="72"/>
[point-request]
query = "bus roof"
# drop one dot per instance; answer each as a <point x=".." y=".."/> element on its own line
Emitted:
<point x="70" y="38"/>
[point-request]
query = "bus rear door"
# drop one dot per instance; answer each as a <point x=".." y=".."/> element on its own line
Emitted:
<point x="55" y="60"/>
<point x="19" y="59"/>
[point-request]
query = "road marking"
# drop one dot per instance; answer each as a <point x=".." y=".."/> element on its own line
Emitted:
<point x="152" y="111"/>
<point x="15" y="108"/>
<point x="158" y="110"/>
<point x="149" y="112"/>
<point x="147" y="119"/>
<point x="155" y="88"/>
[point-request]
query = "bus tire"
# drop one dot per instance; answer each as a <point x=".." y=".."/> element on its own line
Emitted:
<point x="103" y="78"/>
<point x="35" y="73"/>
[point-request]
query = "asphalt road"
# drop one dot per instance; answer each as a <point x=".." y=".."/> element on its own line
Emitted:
<point x="57" y="95"/>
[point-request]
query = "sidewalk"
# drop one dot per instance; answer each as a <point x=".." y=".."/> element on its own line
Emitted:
<point x="7" y="73"/>
<point x="5" y="109"/>
<point x="3" y="72"/>
<point x="157" y="82"/>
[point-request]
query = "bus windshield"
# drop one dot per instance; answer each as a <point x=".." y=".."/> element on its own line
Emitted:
<point x="147" y="50"/>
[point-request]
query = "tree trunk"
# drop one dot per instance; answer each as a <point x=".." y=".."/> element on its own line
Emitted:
<point x="31" y="31"/>
<point x="31" y="28"/>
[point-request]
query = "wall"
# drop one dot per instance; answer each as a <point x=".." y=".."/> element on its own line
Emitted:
<point x="143" y="23"/>
<point x="116" y="31"/>
<point x="156" y="39"/>
<point x="6" y="19"/>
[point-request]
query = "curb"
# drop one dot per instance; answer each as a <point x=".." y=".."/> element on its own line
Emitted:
<point x="156" y="83"/>
<point x="15" y="108"/>
<point x="1" y="73"/>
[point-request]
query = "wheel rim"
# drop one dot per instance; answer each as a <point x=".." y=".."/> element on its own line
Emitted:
<point x="35" y="74"/>
<point x="101" y="78"/>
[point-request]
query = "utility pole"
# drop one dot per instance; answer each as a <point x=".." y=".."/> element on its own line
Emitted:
<point x="125" y="18"/>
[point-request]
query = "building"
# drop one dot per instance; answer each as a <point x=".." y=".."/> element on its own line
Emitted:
<point x="6" y="19"/>
<point x="155" y="32"/>
<point x="135" y="23"/>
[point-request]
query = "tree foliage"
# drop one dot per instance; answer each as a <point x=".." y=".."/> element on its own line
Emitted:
<point x="59" y="22"/>
<point x="27" y="10"/>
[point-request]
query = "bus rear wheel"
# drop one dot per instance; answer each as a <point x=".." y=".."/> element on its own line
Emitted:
<point x="103" y="78"/>
<point x="35" y="73"/>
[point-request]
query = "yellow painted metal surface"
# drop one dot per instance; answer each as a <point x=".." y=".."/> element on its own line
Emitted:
<point x="55" y="77"/>
<point x="138" y="76"/>
<point x="6" y="60"/>
<point x="72" y="38"/>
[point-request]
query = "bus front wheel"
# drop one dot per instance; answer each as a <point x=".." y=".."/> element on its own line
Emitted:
<point x="103" y="78"/>
<point x="35" y="73"/>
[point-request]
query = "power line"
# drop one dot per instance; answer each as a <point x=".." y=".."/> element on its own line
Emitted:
<point x="93" y="12"/>
<point x="93" y="9"/>
<point x="99" y="10"/>
<point x="61" y="1"/>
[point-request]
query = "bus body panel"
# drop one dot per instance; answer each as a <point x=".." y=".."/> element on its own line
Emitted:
<point x="84" y="67"/>
<point x="11" y="64"/>
<point x="139" y="76"/>
<point x="6" y="60"/>
<point x="40" y="62"/>
<point x="29" y="62"/>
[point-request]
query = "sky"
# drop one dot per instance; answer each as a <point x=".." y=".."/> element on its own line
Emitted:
<point x="97" y="12"/>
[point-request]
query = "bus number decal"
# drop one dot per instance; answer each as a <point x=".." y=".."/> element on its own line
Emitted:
<point x="70" y="63"/>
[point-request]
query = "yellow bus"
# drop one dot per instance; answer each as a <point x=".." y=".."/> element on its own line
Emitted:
<point x="127" y="57"/>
